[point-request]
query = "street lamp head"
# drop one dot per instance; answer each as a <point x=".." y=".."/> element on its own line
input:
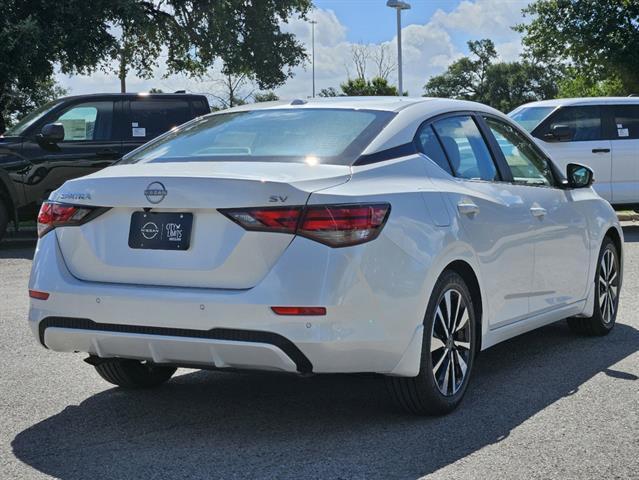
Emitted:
<point x="398" y="4"/>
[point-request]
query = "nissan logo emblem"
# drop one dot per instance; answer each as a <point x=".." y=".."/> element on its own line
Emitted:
<point x="155" y="192"/>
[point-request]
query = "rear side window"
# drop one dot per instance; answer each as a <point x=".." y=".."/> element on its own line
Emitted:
<point x="584" y="123"/>
<point x="152" y="117"/>
<point x="297" y="135"/>
<point x="626" y="122"/>
<point x="91" y="121"/>
<point x="466" y="149"/>
<point x="429" y="145"/>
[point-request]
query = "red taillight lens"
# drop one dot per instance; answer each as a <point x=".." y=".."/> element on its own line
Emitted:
<point x="333" y="225"/>
<point x="343" y="225"/>
<point x="58" y="214"/>
<point x="283" y="220"/>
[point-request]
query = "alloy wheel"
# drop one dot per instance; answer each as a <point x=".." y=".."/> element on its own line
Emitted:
<point x="608" y="285"/>
<point x="450" y="343"/>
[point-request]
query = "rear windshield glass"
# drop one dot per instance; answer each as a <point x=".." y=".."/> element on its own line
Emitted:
<point x="322" y="135"/>
<point x="530" y="117"/>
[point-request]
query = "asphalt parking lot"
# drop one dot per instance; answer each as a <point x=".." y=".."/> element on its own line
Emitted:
<point x="548" y="404"/>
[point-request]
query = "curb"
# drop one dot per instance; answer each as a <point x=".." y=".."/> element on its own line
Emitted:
<point x="628" y="216"/>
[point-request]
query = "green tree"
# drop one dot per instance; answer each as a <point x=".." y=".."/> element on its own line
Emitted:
<point x="36" y="36"/>
<point x="576" y="84"/>
<point x="196" y="33"/>
<point x="265" y="97"/>
<point x="510" y="84"/>
<point x="502" y="85"/>
<point x="29" y="98"/>
<point x="328" y="92"/>
<point x="79" y="36"/>
<point x="597" y="39"/>
<point x="377" y="86"/>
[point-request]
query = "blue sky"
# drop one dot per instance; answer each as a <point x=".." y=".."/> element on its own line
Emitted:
<point x="434" y="34"/>
<point x="360" y="15"/>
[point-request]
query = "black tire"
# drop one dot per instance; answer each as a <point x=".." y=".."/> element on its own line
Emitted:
<point x="602" y="320"/>
<point x="423" y="394"/>
<point x="133" y="374"/>
<point x="4" y="218"/>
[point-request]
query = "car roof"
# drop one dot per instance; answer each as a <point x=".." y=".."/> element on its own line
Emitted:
<point x="129" y="95"/>
<point x="389" y="104"/>
<point x="563" y="102"/>
<point x="410" y="112"/>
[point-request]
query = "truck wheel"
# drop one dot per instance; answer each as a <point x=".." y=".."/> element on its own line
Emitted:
<point x="133" y="374"/>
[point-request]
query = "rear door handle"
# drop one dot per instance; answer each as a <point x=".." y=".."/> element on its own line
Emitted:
<point x="538" y="211"/>
<point x="467" y="208"/>
<point x="600" y="150"/>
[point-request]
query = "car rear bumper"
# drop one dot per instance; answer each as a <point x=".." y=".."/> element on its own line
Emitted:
<point x="370" y="323"/>
<point x="219" y="348"/>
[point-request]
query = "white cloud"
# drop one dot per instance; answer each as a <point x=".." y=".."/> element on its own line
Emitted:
<point x="483" y="18"/>
<point x="428" y="49"/>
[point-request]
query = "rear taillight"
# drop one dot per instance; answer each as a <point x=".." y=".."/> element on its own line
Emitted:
<point x="343" y="225"/>
<point x="62" y="215"/>
<point x="283" y="220"/>
<point x="333" y="225"/>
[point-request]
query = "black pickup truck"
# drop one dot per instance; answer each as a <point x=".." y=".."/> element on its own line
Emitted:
<point x="78" y="135"/>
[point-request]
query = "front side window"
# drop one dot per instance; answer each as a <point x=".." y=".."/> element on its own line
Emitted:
<point x="584" y="123"/>
<point x="527" y="165"/>
<point x="21" y="127"/>
<point x="87" y="121"/>
<point x="466" y="149"/>
<point x="297" y="135"/>
<point x="626" y="122"/>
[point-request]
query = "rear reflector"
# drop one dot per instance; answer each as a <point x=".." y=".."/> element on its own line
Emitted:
<point x="333" y="225"/>
<point x="54" y="214"/>
<point x="38" y="295"/>
<point x="299" y="310"/>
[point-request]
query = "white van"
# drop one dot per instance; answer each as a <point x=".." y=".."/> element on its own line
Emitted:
<point x="602" y="133"/>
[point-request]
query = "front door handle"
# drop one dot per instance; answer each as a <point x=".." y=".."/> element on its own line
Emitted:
<point x="538" y="211"/>
<point x="467" y="208"/>
<point x="600" y="150"/>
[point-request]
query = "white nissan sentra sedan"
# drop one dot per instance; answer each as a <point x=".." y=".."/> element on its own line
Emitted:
<point x="398" y="236"/>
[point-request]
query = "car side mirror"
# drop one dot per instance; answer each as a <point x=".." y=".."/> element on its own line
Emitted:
<point x="560" y="132"/>
<point x="52" y="133"/>
<point x="579" y="176"/>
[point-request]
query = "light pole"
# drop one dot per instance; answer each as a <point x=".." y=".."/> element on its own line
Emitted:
<point x="313" y="23"/>
<point x="399" y="6"/>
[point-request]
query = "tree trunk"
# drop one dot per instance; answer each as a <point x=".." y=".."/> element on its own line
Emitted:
<point x="122" y="71"/>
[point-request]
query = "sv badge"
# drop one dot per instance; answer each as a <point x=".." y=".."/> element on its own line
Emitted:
<point x="277" y="198"/>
